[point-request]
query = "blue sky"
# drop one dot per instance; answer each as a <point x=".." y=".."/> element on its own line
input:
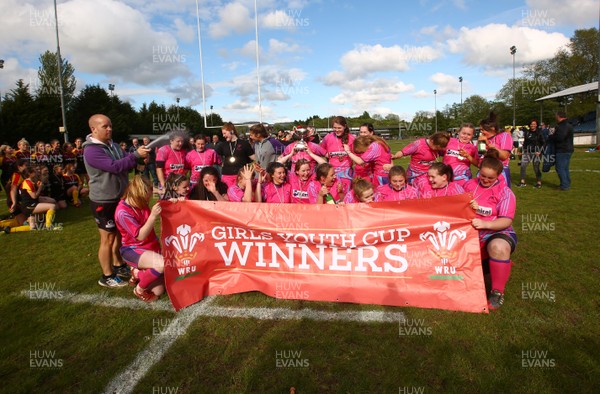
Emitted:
<point x="323" y="57"/>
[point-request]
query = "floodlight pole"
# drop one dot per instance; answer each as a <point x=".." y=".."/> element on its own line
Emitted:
<point x="513" y="50"/>
<point x="460" y="79"/>
<point x="598" y="91"/>
<point x="435" y="108"/>
<point x="60" y="84"/>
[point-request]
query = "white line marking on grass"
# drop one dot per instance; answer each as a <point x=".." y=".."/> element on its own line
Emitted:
<point x="101" y="299"/>
<point x="126" y="381"/>
<point x="596" y="171"/>
<point x="311" y="314"/>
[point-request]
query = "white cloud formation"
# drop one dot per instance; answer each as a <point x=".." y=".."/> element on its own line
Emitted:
<point x="233" y="18"/>
<point x="277" y="47"/>
<point x="488" y="45"/>
<point x="549" y="13"/>
<point x="445" y="83"/>
<point x="360" y="93"/>
<point x="185" y="32"/>
<point x="367" y="59"/>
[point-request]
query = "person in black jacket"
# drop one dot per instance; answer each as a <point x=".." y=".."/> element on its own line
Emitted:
<point x="532" y="150"/>
<point x="563" y="145"/>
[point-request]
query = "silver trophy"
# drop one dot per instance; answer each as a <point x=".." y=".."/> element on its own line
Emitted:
<point x="302" y="135"/>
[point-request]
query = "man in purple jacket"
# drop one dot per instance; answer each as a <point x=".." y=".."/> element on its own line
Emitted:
<point x="108" y="167"/>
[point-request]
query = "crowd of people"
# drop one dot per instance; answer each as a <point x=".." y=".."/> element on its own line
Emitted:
<point x="40" y="180"/>
<point x="295" y="168"/>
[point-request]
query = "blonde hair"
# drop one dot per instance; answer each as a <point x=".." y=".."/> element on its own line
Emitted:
<point x="360" y="185"/>
<point x="137" y="192"/>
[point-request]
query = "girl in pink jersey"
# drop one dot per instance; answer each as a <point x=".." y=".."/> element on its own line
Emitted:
<point x="397" y="189"/>
<point x="461" y="153"/>
<point x="140" y="247"/>
<point x="326" y="188"/>
<point x="364" y="170"/>
<point x="493" y="137"/>
<point x="171" y="158"/>
<point x="210" y="187"/>
<point x="374" y="152"/>
<point x="301" y="181"/>
<point x="274" y="189"/>
<point x="177" y="188"/>
<point x="362" y="191"/>
<point x="333" y="143"/>
<point x="302" y="149"/>
<point x="200" y="157"/>
<point x="243" y="189"/>
<point x="495" y="206"/>
<point x="439" y="182"/>
<point x="423" y="153"/>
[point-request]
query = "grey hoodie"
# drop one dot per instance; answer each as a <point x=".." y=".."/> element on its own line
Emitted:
<point x="108" y="167"/>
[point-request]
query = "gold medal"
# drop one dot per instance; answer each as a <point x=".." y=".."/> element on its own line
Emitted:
<point x="232" y="159"/>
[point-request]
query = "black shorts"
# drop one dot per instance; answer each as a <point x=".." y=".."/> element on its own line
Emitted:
<point x="28" y="208"/>
<point x="104" y="215"/>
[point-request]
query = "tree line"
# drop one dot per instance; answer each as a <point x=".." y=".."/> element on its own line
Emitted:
<point x="32" y="109"/>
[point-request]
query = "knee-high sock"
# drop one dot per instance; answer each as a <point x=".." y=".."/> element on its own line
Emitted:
<point x="75" y="197"/>
<point x="50" y="217"/>
<point x="9" y="223"/>
<point x="500" y="271"/>
<point x="20" y="229"/>
<point x="148" y="276"/>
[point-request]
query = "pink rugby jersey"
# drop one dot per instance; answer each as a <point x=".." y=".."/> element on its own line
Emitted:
<point x="315" y="186"/>
<point x="196" y="161"/>
<point x="496" y="201"/>
<point x="378" y="156"/>
<point x="421" y="158"/>
<point x="426" y="191"/>
<point x="235" y="193"/>
<point x="280" y="194"/>
<point x="338" y="157"/>
<point x="502" y="141"/>
<point x="461" y="167"/>
<point x="299" y="190"/>
<point x="174" y="160"/>
<point x="387" y="193"/>
<point x="316" y="149"/>
<point x="129" y="221"/>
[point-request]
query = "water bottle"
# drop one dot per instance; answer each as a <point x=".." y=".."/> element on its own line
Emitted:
<point x="481" y="147"/>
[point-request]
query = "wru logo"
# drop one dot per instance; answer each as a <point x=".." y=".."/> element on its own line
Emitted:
<point x="184" y="242"/>
<point x="444" y="242"/>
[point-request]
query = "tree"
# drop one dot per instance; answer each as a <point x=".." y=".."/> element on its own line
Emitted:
<point x="475" y="108"/>
<point x="48" y="94"/>
<point x="48" y="77"/>
<point x="91" y="100"/>
<point x="18" y="114"/>
<point x="577" y="64"/>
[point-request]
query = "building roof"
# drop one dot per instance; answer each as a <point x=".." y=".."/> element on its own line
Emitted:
<point x="588" y="87"/>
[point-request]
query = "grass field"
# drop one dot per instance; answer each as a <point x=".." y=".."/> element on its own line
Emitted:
<point x="63" y="333"/>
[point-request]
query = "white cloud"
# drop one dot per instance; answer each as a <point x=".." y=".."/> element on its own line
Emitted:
<point x="549" y="13"/>
<point x="488" y="45"/>
<point x="367" y="59"/>
<point x="184" y="31"/>
<point x="361" y="93"/>
<point x="428" y="30"/>
<point x="446" y="83"/>
<point x="277" y="19"/>
<point x="277" y="47"/>
<point x="421" y="94"/>
<point x="233" y="18"/>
